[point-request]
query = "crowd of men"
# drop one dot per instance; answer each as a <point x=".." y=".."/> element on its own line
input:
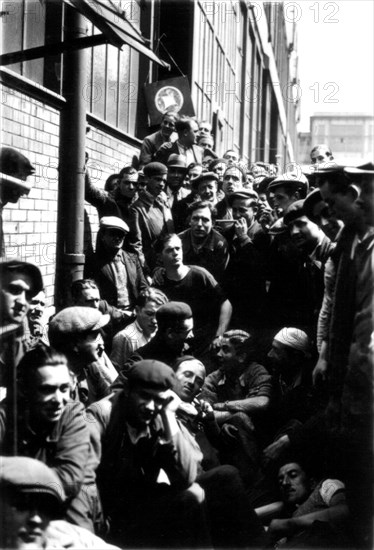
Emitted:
<point x="210" y="383"/>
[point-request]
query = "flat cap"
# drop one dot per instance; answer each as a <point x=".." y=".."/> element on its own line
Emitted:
<point x="151" y="375"/>
<point x="155" y="169"/>
<point x="77" y="319"/>
<point x="242" y="194"/>
<point x="177" y="161"/>
<point x="112" y="222"/>
<point x="205" y="176"/>
<point x="214" y="163"/>
<point x="294" y="211"/>
<point x="27" y="475"/>
<point x="291" y="179"/>
<point x="14" y="266"/>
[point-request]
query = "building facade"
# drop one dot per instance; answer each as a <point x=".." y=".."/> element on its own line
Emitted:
<point x="239" y="58"/>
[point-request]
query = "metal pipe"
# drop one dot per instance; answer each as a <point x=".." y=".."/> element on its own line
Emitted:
<point x="70" y="220"/>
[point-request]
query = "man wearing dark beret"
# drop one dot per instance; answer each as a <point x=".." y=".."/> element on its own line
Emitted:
<point x="148" y="462"/>
<point x="150" y="215"/>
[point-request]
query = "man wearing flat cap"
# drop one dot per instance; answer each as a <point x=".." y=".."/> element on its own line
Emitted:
<point x="117" y="272"/>
<point x="150" y="215"/>
<point x="76" y="332"/>
<point x="245" y="278"/>
<point x="206" y="186"/>
<point x="14" y="171"/>
<point x="31" y="503"/>
<point x="148" y="462"/>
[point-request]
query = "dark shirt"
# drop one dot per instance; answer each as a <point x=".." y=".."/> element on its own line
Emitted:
<point x="213" y="255"/>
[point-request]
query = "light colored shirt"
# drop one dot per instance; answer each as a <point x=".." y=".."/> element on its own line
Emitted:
<point x="126" y="342"/>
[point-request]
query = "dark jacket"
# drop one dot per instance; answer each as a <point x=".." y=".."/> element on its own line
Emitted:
<point x="213" y="255"/>
<point x="106" y="203"/>
<point x="99" y="268"/>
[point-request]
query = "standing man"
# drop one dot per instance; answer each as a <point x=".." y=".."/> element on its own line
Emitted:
<point x="150" y="215"/>
<point x="187" y="129"/>
<point x="234" y="179"/>
<point x="203" y="245"/>
<point x="117" y="272"/>
<point x="198" y="288"/>
<point x="153" y="142"/>
<point x="320" y="154"/>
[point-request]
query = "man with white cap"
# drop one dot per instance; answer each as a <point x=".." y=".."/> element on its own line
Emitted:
<point x="116" y="271"/>
<point x="295" y="401"/>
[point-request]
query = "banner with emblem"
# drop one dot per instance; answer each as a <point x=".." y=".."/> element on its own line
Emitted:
<point x="173" y="94"/>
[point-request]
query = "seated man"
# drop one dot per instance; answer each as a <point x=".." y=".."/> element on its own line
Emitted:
<point x="203" y="245"/>
<point x="76" y="332"/>
<point x="317" y="512"/>
<point x="239" y="392"/>
<point x="53" y="430"/>
<point x="141" y="331"/>
<point x="198" y="288"/>
<point x="117" y="272"/>
<point x="233" y="522"/>
<point x="148" y="463"/>
<point x="31" y="498"/>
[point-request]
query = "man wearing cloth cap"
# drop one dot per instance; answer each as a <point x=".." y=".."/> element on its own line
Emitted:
<point x="150" y="215"/>
<point x="206" y="186"/>
<point x="117" y="272"/>
<point x="76" y="332"/>
<point x="32" y="496"/>
<point x="245" y="273"/>
<point x="148" y="462"/>
<point x="14" y="169"/>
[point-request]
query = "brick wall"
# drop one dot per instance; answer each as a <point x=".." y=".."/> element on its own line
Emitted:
<point x="32" y="127"/>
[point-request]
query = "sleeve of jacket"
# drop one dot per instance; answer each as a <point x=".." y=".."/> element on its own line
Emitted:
<point x="209" y="390"/>
<point x="94" y="195"/>
<point x="72" y="449"/>
<point x="146" y="152"/>
<point x="135" y="236"/>
<point x="180" y="458"/>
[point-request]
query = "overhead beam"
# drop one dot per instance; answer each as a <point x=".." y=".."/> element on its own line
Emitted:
<point x="53" y="49"/>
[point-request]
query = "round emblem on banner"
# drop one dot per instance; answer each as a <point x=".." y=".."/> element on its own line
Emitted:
<point x="169" y="98"/>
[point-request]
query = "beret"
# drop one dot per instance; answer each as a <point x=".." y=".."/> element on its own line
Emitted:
<point x="174" y="311"/>
<point x="23" y="267"/>
<point x="291" y="179"/>
<point x="155" y="169"/>
<point x="294" y="211"/>
<point x="112" y="222"/>
<point x="77" y="319"/>
<point x="242" y="194"/>
<point x="294" y="338"/>
<point x="151" y="375"/>
<point x="205" y="176"/>
<point x="27" y="475"/>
